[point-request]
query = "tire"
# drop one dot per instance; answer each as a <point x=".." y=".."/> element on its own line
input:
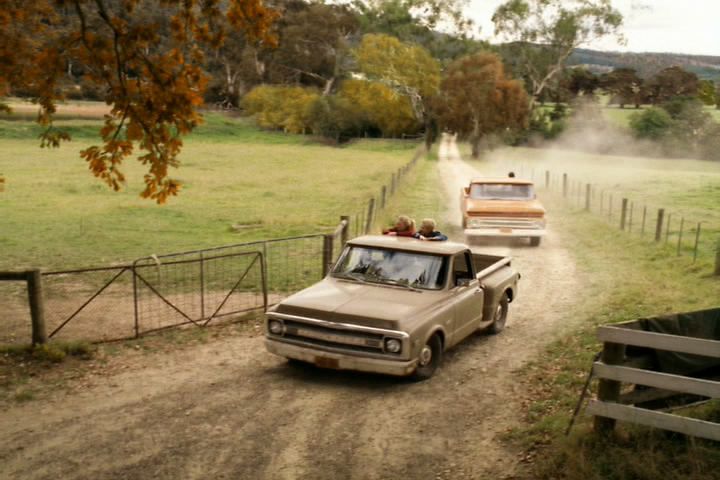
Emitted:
<point x="500" y="316"/>
<point x="535" y="241"/>
<point x="427" y="369"/>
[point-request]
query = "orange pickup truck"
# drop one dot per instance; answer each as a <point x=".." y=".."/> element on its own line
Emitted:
<point x="502" y="207"/>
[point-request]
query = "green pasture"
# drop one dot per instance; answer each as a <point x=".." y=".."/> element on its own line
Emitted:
<point x="623" y="278"/>
<point x="239" y="184"/>
<point x="621" y="116"/>
<point x="687" y="189"/>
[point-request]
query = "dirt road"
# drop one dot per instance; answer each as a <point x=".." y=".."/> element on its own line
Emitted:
<point x="228" y="409"/>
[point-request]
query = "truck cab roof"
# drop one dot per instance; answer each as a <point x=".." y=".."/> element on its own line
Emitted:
<point x="408" y="244"/>
<point x="502" y="180"/>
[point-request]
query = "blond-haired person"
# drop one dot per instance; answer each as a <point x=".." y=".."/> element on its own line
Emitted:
<point x="427" y="231"/>
<point x="404" y="227"/>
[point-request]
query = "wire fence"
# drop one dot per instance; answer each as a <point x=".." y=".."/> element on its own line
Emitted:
<point x="675" y="232"/>
<point x="198" y="287"/>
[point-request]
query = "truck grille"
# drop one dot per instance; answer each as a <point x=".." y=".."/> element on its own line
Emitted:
<point x="514" y="223"/>
<point x="331" y="337"/>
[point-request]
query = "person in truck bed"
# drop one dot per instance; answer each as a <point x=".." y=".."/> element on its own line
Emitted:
<point x="427" y="231"/>
<point x="404" y="227"/>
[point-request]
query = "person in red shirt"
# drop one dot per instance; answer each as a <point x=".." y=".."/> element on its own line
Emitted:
<point x="404" y="227"/>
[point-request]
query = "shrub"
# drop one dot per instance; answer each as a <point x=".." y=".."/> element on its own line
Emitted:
<point x="336" y="118"/>
<point x="653" y="123"/>
<point x="281" y="107"/>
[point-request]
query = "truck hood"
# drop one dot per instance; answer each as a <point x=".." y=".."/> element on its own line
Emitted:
<point x="514" y="208"/>
<point x="356" y="303"/>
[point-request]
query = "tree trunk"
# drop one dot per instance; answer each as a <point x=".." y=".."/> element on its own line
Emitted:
<point x="328" y="87"/>
<point x="475" y="143"/>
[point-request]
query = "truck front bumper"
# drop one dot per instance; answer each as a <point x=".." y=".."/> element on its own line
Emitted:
<point x="505" y="232"/>
<point x="340" y="361"/>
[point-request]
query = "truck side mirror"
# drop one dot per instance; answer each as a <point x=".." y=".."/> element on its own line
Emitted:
<point x="466" y="190"/>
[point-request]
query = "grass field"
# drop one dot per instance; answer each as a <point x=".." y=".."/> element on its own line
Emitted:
<point x="626" y="280"/>
<point x="621" y="116"/>
<point x="688" y="189"/>
<point x="54" y="213"/>
<point x="626" y="277"/>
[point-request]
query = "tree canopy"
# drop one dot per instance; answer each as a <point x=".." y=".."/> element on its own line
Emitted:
<point x="152" y="82"/>
<point x="477" y="98"/>
<point x="542" y="34"/>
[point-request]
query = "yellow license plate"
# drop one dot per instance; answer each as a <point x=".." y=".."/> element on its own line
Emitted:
<point x="506" y="230"/>
<point x="324" y="362"/>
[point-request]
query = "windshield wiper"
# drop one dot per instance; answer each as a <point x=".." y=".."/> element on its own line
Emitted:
<point x="358" y="277"/>
<point x="390" y="281"/>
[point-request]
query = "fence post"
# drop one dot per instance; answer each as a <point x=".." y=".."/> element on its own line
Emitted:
<point x="383" y="195"/>
<point x="610" y="207"/>
<point x="370" y="215"/>
<point x="588" y="190"/>
<point x="697" y="241"/>
<point x="630" y="217"/>
<point x="202" y="287"/>
<point x="327" y="253"/>
<point x="565" y="184"/>
<point x="345" y="232"/>
<point x="642" y="229"/>
<point x="547" y="179"/>
<point x="37" y="306"/>
<point x="609" y="390"/>
<point x="667" y="228"/>
<point x="680" y="235"/>
<point x="623" y="213"/>
<point x="393" y="186"/>
<point x="659" y="225"/>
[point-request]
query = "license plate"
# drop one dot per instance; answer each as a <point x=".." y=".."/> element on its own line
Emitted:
<point x="506" y="230"/>
<point x="324" y="362"/>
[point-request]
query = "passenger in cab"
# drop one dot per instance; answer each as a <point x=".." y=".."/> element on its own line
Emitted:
<point x="404" y="227"/>
<point x="427" y="231"/>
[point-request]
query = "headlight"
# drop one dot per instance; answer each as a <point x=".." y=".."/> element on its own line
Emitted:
<point x="392" y="345"/>
<point x="276" y="327"/>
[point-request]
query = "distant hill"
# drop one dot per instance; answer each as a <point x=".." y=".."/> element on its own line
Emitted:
<point x="647" y="64"/>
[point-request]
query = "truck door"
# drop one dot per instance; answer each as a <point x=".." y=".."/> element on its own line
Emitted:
<point x="467" y="296"/>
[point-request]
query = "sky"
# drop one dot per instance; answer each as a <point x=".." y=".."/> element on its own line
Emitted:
<point x="675" y="26"/>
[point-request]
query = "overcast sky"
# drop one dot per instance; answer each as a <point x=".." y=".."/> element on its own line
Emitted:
<point x="677" y="26"/>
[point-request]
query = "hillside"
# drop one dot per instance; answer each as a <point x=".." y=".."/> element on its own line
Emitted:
<point x="705" y="67"/>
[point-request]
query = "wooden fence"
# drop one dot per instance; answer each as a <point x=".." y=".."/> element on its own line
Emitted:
<point x="615" y="369"/>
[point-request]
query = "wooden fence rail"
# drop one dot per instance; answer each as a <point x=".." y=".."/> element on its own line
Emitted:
<point x="612" y="373"/>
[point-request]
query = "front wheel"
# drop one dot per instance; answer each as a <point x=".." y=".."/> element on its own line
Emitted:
<point x="500" y="316"/>
<point x="429" y="359"/>
<point x="534" y="241"/>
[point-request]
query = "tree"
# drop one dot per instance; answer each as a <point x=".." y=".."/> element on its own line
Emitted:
<point x="383" y="108"/>
<point x="624" y="86"/>
<point x="407" y="69"/>
<point x="653" y="123"/>
<point x="477" y="98"/>
<point x="672" y="82"/>
<point x="416" y="21"/>
<point x="314" y="45"/>
<point x="706" y="92"/>
<point x="153" y="82"/>
<point x="543" y="34"/>
<point x="580" y="81"/>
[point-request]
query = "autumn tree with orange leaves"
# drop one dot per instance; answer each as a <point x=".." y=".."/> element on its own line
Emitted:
<point x="477" y="98"/>
<point x="152" y="81"/>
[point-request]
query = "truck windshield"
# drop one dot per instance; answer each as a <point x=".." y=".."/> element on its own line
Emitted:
<point x="501" y="191"/>
<point x="378" y="265"/>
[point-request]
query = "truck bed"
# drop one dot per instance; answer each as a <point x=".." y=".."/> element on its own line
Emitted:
<point x="485" y="264"/>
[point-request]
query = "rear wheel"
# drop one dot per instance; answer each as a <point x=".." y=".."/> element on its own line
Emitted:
<point x="534" y="241"/>
<point x="500" y="316"/>
<point x="429" y="359"/>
